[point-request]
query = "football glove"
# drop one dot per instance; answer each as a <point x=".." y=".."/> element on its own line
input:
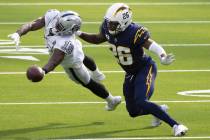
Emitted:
<point x="16" y="38"/>
<point x="78" y="33"/>
<point x="168" y="59"/>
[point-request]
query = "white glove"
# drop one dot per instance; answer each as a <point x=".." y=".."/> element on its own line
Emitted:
<point x="168" y="59"/>
<point x="78" y="33"/>
<point x="16" y="38"/>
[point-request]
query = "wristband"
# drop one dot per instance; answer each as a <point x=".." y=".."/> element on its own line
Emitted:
<point x="45" y="71"/>
<point x="157" y="49"/>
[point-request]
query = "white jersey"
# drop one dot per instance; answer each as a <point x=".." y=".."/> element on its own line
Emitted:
<point x="71" y="46"/>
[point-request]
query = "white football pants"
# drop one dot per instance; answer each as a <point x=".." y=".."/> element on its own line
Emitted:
<point x="78" y="74"/>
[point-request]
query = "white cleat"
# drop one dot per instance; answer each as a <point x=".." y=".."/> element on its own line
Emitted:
<point x="179" y="130"/>
<point x="112" y="105"/>
<point x="97" y="76"/>
<point x="156" y="122"/>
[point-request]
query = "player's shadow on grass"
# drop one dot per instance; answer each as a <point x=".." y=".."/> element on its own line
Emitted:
<point x="108" y="134"/>
<point x="9" y="133"/>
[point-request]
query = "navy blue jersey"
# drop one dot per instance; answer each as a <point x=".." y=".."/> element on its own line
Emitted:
<point x="127" y="46"/>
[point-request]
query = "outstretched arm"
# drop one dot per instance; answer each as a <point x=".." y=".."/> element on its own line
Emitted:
<point x="31" y="26"/>
<point x="92" y="38"/>
<point x="152" y="46"/>
<point x="56" y="58"/>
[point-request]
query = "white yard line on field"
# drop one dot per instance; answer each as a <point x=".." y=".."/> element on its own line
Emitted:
<point x="163" y="22"/>
<point x="160" y="71"/>
<point x="6" y="42"/>
<point x="105" y="4"/>
<point x="166" y="45"/>
<point x="141" y="22"/>
<point x="103" y="45"/>
<point x="61" y="103"/>
<point x="173" y="71"/>
<point x="148" y="138"/>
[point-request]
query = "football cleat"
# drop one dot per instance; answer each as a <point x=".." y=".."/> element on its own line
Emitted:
<point x="113" y="104"/>
<point x="156" y="121"/>
<point x="179" y="130"/>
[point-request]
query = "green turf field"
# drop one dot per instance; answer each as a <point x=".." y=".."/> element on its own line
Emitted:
<point x="45" y="110"/>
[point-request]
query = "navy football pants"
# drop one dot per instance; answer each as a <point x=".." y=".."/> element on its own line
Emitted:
<point x="138" y="89"/>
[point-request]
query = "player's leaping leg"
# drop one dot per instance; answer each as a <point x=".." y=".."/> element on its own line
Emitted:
<point x="81" y="75"/>
<point x="95" y="73"/>
<point x="156" y="121"/>
<point x="137" y="92"/>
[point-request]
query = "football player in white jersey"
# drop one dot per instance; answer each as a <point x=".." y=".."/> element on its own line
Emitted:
<point x="51" y="19"/>
<point x="65" y="49"/>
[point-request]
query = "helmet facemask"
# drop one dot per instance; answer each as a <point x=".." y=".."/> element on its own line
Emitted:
<point x="113" y="27"/>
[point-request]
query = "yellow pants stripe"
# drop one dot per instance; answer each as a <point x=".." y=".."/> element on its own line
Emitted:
<point x="149" y="81"/>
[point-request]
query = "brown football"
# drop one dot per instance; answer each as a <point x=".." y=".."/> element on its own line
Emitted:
<point x="34" y="73"/>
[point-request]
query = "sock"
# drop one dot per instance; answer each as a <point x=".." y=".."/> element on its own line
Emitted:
<point x="89" y="63"/>
<point x="152" y="108"/>
<point x="98" y="89"/>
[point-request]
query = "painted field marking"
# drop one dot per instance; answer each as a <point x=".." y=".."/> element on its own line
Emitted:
<point x="197" y="93"/>
<point x="140" y="22"/>
<point x="148" y="138"/>
<point x="108" y="72"/>
<point x="6" y="42"/>
<point x="104" y="4"/>
<point x="63" y="103"/>
<point x="163" y="22"/>
<point x="2" y="48"/>
<point x="31" y="58"/>
<point x="41" y="50"/>
<point x="165" y="45"/>
<point x="22" y="50"/>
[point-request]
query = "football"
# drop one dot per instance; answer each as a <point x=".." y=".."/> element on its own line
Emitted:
<point x="35" y="73"/>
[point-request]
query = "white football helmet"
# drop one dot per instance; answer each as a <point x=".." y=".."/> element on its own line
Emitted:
<point x="68" y="23"/>
<point x="118" y="17"/>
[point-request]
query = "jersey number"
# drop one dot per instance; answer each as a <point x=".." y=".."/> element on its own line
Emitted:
<point x="123" y="54"/>
<point x="125" y="15"/>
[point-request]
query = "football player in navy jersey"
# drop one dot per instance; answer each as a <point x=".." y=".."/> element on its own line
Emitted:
<point x="128" y="41"/>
